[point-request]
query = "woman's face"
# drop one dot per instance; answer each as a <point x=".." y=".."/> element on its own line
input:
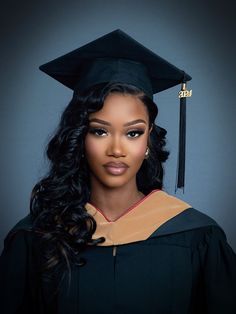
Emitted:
<point x="118" y="134"/>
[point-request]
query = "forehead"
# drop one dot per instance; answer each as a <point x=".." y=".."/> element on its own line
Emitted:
<point x="122" y="106"/>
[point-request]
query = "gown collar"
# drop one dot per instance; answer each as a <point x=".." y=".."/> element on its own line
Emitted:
<point x="140" y="221"/>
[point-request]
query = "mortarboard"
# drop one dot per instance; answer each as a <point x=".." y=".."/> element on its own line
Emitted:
<point x="117" y="57"/>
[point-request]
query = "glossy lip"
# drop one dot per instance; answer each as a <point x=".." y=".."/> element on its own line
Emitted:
<point x="116" y="168"/>
<point x="116" y="165"/>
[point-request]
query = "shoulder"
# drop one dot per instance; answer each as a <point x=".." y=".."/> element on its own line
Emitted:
<point x="20" y="234"/>
<point x="23" y="224"/>
<point x="192" y="229"/>
<point x="189" y="219"/>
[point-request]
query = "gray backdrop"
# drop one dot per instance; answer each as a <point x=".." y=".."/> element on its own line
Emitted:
<point x="196" y="36"/>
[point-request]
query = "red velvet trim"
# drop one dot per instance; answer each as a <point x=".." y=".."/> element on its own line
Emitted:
<point x="129" y="209"/>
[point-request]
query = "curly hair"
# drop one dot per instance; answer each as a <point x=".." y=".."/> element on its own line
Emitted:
<point x="58" y="201"/>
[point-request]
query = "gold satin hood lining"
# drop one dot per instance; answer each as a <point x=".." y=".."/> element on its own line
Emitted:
<point x="140" y="221"/>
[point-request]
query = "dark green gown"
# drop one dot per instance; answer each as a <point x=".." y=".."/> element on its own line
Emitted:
<point x="184" y="266"/>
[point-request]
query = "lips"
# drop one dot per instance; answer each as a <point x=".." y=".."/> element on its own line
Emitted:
<point x="116" y="168"/>
<point x="116" y="165"/>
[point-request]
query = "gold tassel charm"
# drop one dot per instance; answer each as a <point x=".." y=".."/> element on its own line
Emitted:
<point x="184" y="92"/>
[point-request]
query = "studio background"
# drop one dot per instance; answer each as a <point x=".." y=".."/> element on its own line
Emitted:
<point x="199" y="38"/>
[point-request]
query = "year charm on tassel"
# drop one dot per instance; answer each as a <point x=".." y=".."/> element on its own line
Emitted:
<point x="184" y="92"/>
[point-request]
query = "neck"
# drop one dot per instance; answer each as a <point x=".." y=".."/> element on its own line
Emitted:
<point x="113" y="202"/>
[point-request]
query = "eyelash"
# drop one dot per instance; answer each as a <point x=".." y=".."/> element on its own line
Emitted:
<point x="139" y="132"/>
<point x="96" y="130"/>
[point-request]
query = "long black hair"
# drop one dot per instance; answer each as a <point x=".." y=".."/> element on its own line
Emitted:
<point x="58" y="201"/>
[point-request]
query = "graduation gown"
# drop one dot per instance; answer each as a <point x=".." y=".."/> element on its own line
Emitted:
<point x="161" y="256"/>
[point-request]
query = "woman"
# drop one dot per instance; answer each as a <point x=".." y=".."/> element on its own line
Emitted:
<point x="102" y="236"/>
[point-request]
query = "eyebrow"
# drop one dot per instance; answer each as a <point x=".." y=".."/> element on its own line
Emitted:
<point x="126" y="124"/>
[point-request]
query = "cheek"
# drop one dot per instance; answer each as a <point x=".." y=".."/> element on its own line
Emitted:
<point x="92" y="147"/>
<point x="139" y="150"/>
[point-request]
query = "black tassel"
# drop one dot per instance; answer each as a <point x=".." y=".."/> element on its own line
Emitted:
<point x="182" y="144"/>
<point x="182" y="136"/>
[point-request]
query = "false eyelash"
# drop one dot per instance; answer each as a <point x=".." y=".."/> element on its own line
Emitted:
<point x="139" y="132"/>
<point x="95" y="130"/>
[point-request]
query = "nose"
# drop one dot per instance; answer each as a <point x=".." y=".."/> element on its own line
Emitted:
<point x="116" y="147"/>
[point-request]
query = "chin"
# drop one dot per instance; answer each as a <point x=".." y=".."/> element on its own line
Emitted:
<point x="114" y="184"/>
<point x="114" y="181"/>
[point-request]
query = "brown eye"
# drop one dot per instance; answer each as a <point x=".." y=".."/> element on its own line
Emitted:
<point x="98" y="131"/>
<point x="135" y="133"/>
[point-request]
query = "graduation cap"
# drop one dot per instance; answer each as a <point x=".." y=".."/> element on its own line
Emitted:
<point x="117" y="57"/>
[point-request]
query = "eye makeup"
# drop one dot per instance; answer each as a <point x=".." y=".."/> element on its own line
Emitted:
<point x="97" y="131"/>
<point x="137" y="133"/>
<point x="134" y="133"/>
